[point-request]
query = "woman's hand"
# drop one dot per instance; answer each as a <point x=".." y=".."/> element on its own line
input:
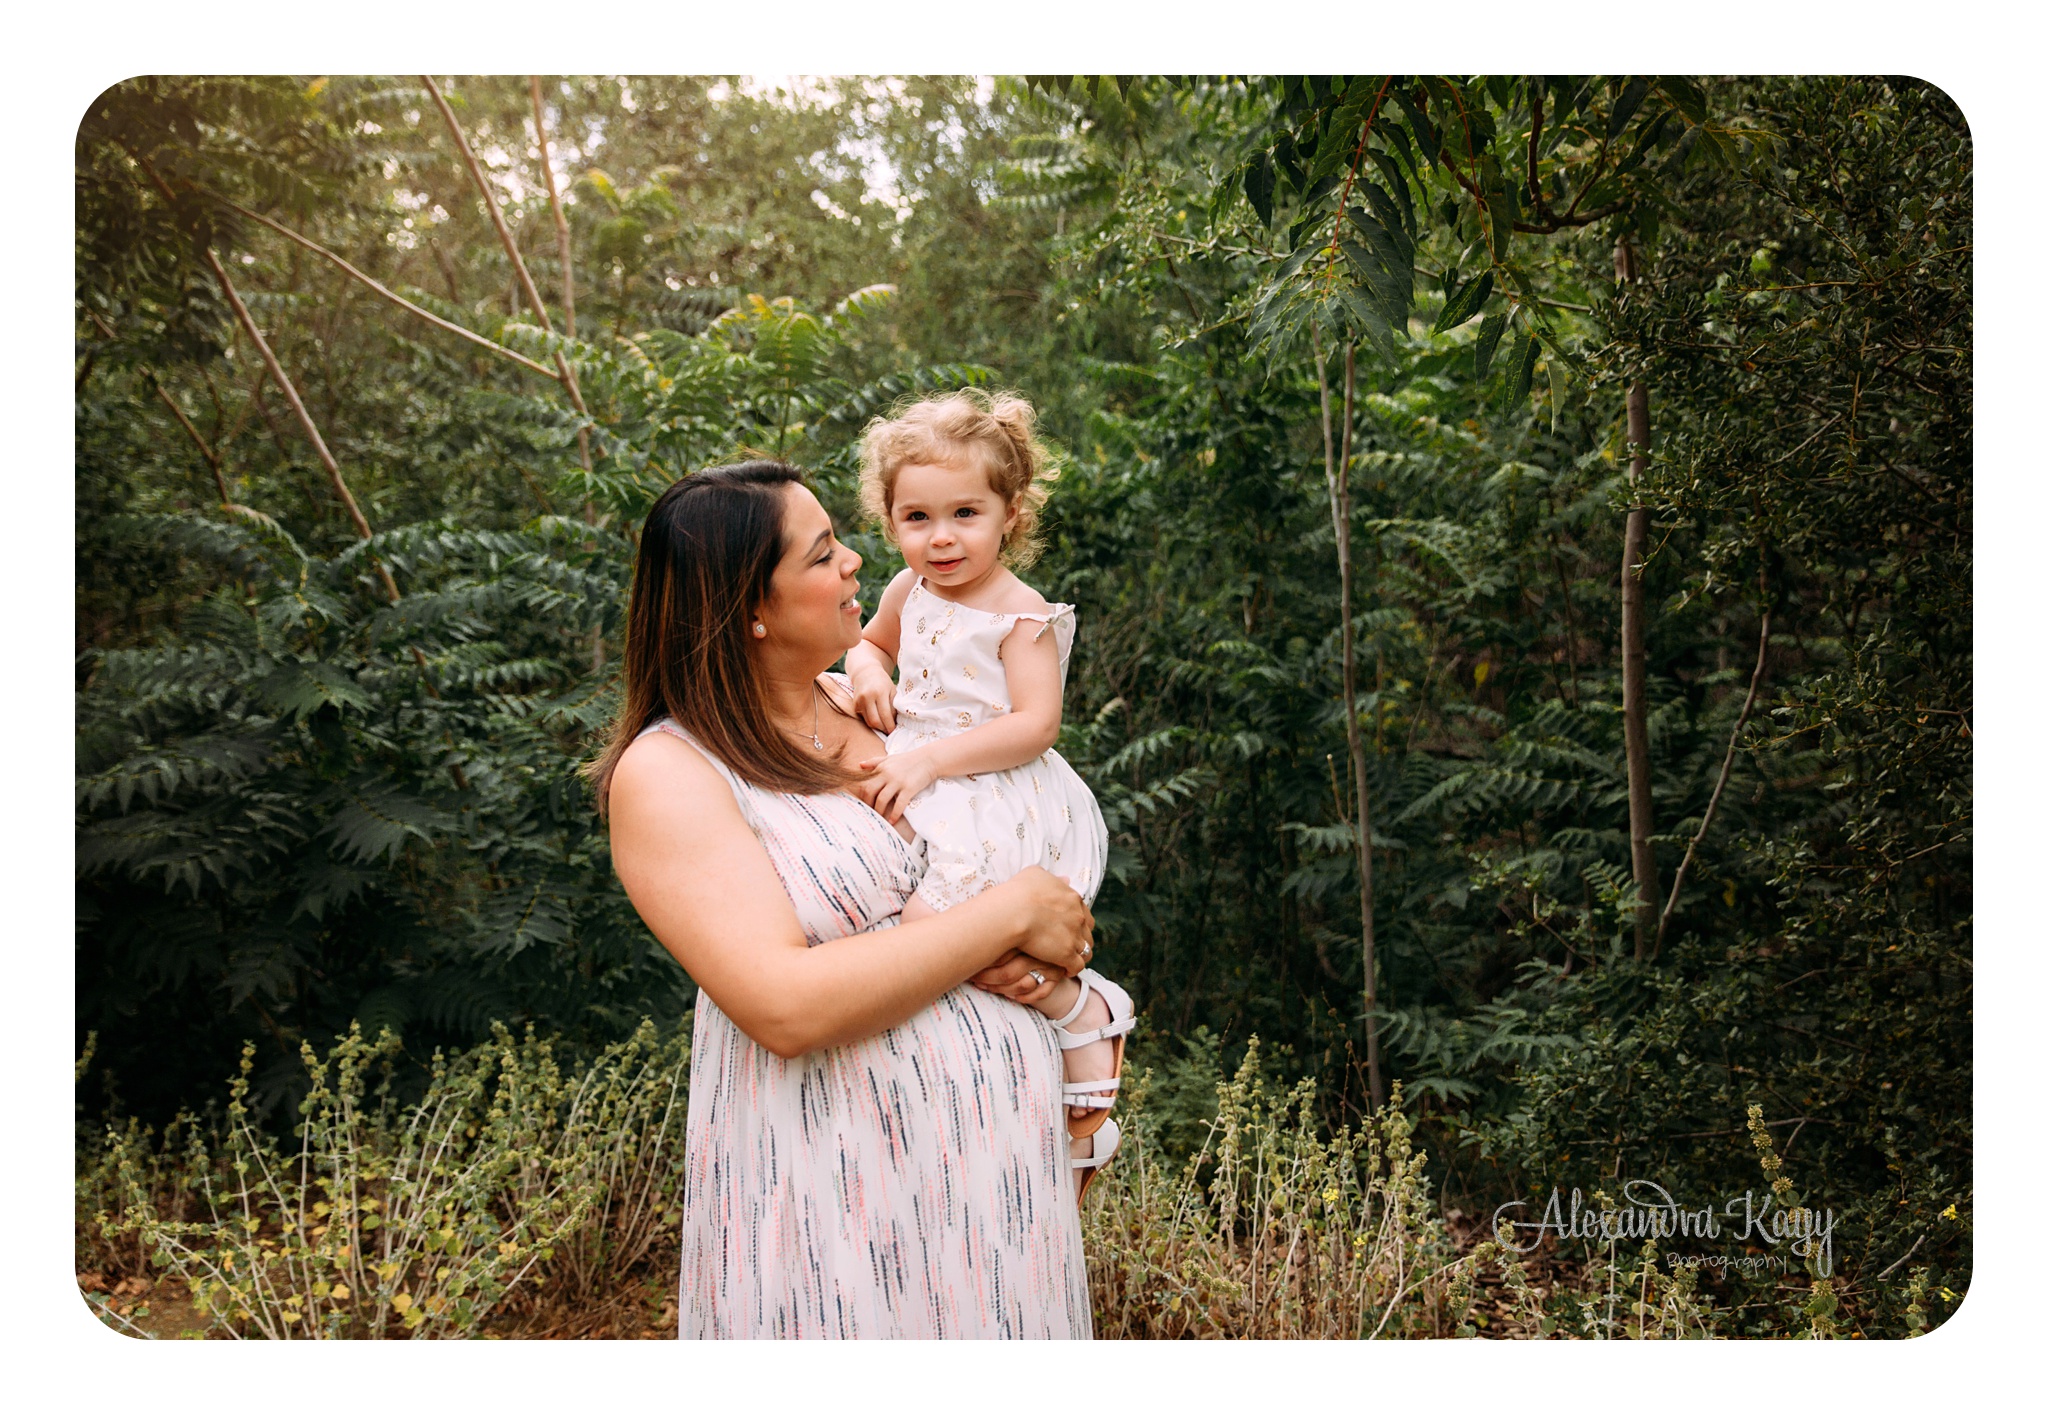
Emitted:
<point x="894" y="782"/>
<point x="1019" y="977"/>
<point x="1059" y="926"/>
<point x="874" y="697"/>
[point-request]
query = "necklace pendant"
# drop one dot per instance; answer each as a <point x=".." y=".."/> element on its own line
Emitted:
<point x="816" y="743"/>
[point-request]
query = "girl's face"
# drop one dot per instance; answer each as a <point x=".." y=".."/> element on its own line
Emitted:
<point x="811" y="612"/>
<point x="949" y="523"/>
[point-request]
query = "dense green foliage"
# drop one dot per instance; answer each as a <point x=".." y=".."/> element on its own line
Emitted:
<point x="301" y="804"/>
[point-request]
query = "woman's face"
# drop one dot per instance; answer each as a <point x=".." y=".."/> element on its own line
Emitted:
<point x="811" y="612"/>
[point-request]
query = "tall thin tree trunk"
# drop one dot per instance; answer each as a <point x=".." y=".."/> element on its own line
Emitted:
<point x="1634" y="657"/>
<point x="523" y="281"/>
<point x="1337" y="479"/>
<point x="567" y="256"/>
<point x="547" y="169"/>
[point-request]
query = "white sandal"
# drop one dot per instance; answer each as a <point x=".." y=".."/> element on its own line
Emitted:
<point x="1108" y="1131"/>
<point x="1097" y="1096"/>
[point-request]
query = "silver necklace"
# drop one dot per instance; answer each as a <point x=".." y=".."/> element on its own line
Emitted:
<point x="816" y="741"/>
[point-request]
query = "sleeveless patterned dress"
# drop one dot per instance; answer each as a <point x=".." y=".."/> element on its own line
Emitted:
<point x="913" y="1184"/>
<point x="981" y="830"/>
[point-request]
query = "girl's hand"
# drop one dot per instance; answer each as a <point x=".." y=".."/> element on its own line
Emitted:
<point x="874" y="697"/>
<point x="1011" y="976"/>
<point x="894" y="782"/>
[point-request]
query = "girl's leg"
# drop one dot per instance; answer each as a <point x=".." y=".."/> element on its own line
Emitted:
<point x="1093" y="1062"/>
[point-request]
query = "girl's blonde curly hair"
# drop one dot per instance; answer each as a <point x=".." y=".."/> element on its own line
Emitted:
<point x="995" y="430"/>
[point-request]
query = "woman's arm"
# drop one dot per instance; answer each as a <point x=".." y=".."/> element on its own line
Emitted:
<point x="870" y="662"/>
<point x="1031" y="665"/>
<point x="705" y="888"/>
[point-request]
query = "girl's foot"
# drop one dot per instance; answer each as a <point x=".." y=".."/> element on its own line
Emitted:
<point x="1095" y="1061"/>
<point x="1089" y="1153"/>
<point x="1096" y="1015"/>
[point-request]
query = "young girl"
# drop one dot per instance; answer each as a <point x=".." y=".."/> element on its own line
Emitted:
<point x="981" y="662"/>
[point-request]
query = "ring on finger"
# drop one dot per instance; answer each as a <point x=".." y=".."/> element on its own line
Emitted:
<point x="1038" y="977"/>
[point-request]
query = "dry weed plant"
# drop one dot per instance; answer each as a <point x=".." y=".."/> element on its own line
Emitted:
<point x="512" y="1200"/>
<point x="421" y="1219"/>
<point x="1272" y="1228"/>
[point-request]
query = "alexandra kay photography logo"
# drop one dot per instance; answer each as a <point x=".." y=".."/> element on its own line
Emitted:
<point x="1648" y="1211"/>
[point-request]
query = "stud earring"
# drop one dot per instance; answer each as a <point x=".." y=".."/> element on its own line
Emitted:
<point x="760" y="631"/>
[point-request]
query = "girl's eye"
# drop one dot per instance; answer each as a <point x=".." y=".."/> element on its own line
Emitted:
<point x="915" y="516"/>
<point x="964" y="512"/>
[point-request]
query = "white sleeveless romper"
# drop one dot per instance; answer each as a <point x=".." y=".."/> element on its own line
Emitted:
<point x="981" y="830"/>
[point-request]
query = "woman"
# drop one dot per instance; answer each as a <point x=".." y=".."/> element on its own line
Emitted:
<point x="874" y="1148"/>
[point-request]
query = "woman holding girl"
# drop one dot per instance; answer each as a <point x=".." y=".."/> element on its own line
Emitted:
<point x="875" y="1148"/>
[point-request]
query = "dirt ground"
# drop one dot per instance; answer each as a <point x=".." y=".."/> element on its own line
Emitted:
<point x="160" y="1309"/>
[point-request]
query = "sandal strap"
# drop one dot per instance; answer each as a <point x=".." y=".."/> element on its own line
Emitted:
<point x="1114" y="997"/>
<point x="1102" y="1156"/>
<point x="1114" y="1028"/>
<point x="1080" y="1000"/>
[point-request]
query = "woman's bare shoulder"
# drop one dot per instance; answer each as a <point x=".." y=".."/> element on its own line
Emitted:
<point x="662" y="776"/>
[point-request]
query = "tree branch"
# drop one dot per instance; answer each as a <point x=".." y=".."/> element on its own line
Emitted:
<point x="1907" y="1254"/>
<point x="483" y="186"/>
<point x="212" y="457"/>
<point x="1756" y="678"/>
<point x="1351" y="176"/>
<point x="291" y="394"/>
<point x="397" y="299"/>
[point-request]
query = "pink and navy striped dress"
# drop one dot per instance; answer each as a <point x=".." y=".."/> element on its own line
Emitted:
<point x="914" y="1184"/>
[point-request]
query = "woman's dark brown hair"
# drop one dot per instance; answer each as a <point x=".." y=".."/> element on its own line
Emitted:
<point x="707" y="554"/>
